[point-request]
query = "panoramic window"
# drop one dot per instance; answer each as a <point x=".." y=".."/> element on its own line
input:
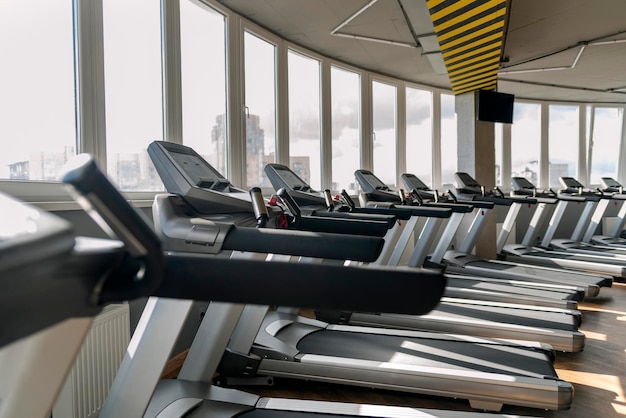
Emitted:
<point x="563" y="142"/>
<point x="385" y="132"/>
<point x="304" y="118"/>
<point x="419" y="134"/>
<point x="607" y="132"/>
<point x="203" y="78"/>
<point x="260" y="103"/>
<point x="526" y="141"/>
<point x="346" y="128"/>
<point x="449" y="149"/>
<point x="37" y="103"/>
<point x="132" y="72"/>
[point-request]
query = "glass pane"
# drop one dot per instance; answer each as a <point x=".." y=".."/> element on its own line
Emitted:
<point x="526" y="141"/>
<point x="304" y="118"/>
<point x="607" y="132"/>
<point x="37" y="106"/>
<point x="203" y="77"/>
<point x="132" y="72"/>
<point x="498" y="150"/>
<point x="260" y="98"/>
<point x="419" y="134"/>
<point x="449" y="150"/>
<point x="346" y="129"/>
<point x="385" y="132"/>
<point x="562" y="142"/>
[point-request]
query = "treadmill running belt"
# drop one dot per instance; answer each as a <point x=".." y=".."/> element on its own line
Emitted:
<point x="456" y="355"/>
<point x="528" y="318"/>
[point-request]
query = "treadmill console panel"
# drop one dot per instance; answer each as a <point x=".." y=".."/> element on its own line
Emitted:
<point x="185" y="173"/>
<point x="467" y="185"/>
<point x="523" y="187"/>
<point x="522" y="184"/>
<point x="465" y="181"/>
<point x="414" y="183"/>
<point x="574" y="187"/>
<point x="374" y="188"/>
<point x="570" y="183"/>
<point x="282" y="177"/>
<point x="611" y="185"/>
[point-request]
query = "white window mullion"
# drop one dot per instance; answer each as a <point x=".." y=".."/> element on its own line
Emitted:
<point x="583" y="169"/>
<point x="170" y="61"/>
<point x="544" y="154"/>
<point x="367" y="133"/>
<point x="436" y="139"/>
<point x="589" y="144"/>
<point x="235" y="97"/>
<point x="326" y="127"/>
<point x="282" y="104"/>
<point x="89" y="61"/>
<point x="401" y="126"/>
<point x="506" y="156"/>
<point x="621" y="162"/>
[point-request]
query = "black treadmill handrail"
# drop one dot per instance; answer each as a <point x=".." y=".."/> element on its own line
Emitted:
<point x="303" y="243"/>
<point x="389" y="219"/>
<point x="318" y="285"/>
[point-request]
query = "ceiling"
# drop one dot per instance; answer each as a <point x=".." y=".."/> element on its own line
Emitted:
<point x="569" y="50"/>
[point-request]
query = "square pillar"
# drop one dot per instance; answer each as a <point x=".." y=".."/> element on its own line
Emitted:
<point x="476" y="156"/>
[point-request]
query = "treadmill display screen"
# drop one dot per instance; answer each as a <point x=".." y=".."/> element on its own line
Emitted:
<point x="415" y="183"/>
<point x="570" y="182"/>
<point x="610" y="182"/>
<point x="522" y="183"/>
<point x="373" y="181"/>
<point x="200" y="173"/>
<point x="290" y="179"/>
<point x="466" y="180"/>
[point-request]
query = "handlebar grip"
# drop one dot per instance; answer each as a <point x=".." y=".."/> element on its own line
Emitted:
<point x="348" y="199"/>
<point x="258" y="206"/>
<point x="329" y="200"/>
<point x="288" y="201"/>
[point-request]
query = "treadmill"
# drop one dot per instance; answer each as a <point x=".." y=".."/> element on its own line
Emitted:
<point x="374" y="191"/>
<point x="612" y="238"/>
<point x="280" y="344"/>
<point x="595" y="205"/>
<point x="461" y="286"/>
<point x="176" y="277"/>
<point x="556" y="327"/>
<point x="547" y="255"/>
<point x="536" y="266"/>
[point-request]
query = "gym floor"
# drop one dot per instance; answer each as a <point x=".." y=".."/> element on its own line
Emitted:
<point x="598" y="373"/>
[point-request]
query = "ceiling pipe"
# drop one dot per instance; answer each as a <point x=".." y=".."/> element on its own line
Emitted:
<point x="382" y="41"/>
<point x="581" y="44"/>
<point x="336" y="32"/>
<point x="537" y="70"/>
<point x="354" y="15"/>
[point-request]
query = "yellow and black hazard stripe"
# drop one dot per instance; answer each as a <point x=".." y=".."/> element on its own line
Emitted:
<point x="470" y="34"/>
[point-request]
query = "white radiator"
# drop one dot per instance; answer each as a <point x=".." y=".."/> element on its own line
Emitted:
<point x="93" y="372"/>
